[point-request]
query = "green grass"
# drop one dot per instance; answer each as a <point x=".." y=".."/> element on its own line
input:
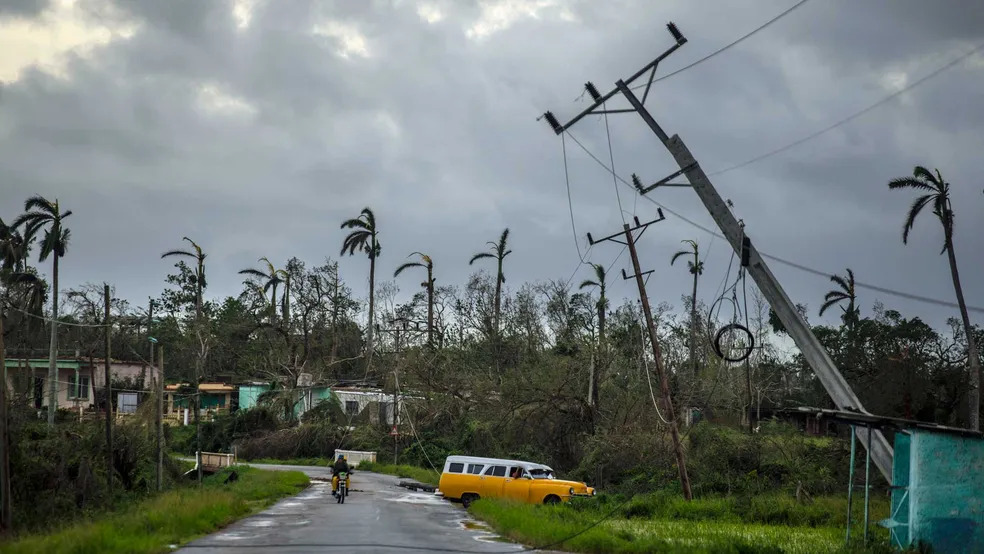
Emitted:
<point x="420" y="474"/>
<point x="660" y="523"/>
<point x="172" y="518"/>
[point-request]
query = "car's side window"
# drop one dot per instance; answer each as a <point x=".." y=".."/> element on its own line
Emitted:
<point x="489" y="470"/>
<point x="475" y="469"/>
<point x="456" y="467"/>
<point x="499" y="471"/>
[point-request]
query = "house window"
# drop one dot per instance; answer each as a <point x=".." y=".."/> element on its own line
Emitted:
<point x="78" y="389"/>
<point x="351" y="407"/>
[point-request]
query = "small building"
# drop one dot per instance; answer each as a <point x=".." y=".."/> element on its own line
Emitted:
<point x="28" y="378"/>
<point x="307" y="397"/>
<point x="216" y="398"/>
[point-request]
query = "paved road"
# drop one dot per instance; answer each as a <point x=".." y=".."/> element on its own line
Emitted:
<point x="378" y="516"/>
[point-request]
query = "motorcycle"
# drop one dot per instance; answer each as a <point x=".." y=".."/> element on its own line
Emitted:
<point x="342" y="487"/>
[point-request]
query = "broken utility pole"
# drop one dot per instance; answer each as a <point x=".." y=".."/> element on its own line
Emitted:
<point x="813" y="351"/>
<point x="664" y="381"/>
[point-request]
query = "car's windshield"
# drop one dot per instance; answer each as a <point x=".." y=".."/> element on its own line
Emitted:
<point x="541" y="473"/>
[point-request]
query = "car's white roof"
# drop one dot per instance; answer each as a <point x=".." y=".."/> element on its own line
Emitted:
<point x="498" y="461"/>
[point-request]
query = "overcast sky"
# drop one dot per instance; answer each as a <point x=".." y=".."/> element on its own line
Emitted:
<point x="257" y="127"/>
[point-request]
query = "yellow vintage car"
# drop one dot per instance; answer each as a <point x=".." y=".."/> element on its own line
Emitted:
<point x="467" y="478"/>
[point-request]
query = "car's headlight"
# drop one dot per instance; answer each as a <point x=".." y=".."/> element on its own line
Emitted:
<point x="572" y="491"/>
<point x="594" y="492"/>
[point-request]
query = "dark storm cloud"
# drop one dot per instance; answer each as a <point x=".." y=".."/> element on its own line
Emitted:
<point x="22" y="7"/>
<point x="259" y="141"/>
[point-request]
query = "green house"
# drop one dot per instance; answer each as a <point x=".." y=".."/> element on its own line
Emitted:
<point x="307" y="397"/>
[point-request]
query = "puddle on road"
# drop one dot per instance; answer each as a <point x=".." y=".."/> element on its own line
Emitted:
<point x="234" y="536"/>
<point x="418" y="498"/>
<point x="474" y="525"/>
<point x="483" y="533"/>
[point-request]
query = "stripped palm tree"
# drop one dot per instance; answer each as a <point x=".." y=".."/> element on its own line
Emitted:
<point x="498" y="253"/>
<point x="198" y="255"/>
<point x="41" y="213"/>
<point x="696" y="267"/>
<point x="602" y="307"/>
<point x="364" y="238"/>
<point x="845" y="292"/>
<point x="936" y="192"/>
<point x="428" y="264"/>
<point x="269" y="280"/>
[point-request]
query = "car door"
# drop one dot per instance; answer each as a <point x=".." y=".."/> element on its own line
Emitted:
<point x="492" y="481"/>
<point x="517" y="488"/>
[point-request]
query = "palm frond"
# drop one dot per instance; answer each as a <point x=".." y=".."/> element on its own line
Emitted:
<point x="840" y="282"/>
<point x="910" y="183"/>
<point x="40" y="203"/>
<point x="253" y="273"/>
<point x="828" y="304"/>
<point x="406" y="266"/>
<point x="910" y="219"/>
<point x="836" y="295"/>
<point x="589" y="283"/>
<point x="502" y="241"/>
<point x="65" y="214"/>
<point x="600" y="273"/>
<point x="31" y="219"/>
<point x="178" y="253"/>
<point x="356" y="223"/>
<point x="481" y="256"/>
<point x="925" y="175"/>
<point x="678" y="254"/>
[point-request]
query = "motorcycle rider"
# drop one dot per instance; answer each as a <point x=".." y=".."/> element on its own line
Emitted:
<point x="340" y="466"/>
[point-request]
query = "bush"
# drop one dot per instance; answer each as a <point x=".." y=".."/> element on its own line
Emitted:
<point x="304" y="441"/>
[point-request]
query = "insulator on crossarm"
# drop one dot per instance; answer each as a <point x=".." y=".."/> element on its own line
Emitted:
<point x="552" y="120"/>
<point x="677" y="35"/>
<point x="592" y="91"/>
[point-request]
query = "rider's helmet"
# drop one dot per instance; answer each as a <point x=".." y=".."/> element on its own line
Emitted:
<point x="341" y="456"/>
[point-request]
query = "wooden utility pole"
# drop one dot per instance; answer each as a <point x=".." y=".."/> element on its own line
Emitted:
<point x="664" y="382"/>
<point x="160" y="419"/>
<point x="108" y="330"/>
<point x="5" y="518"/>
<point x="799" y="330"/>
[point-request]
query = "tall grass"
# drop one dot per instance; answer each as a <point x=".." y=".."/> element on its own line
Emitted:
<point x="171" y="518"/>
<point x="665" y="523"/>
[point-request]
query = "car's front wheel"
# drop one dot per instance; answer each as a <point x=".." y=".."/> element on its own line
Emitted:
<point x="552" y="499"/>
<point x="468" y="498"/>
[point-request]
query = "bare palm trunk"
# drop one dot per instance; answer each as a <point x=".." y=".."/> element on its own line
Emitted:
<point x="53" y="350"/>
<point x="693" y="326"/>
<point x="973" y="395"/>
<point x="430" y="309"/>
<point x="372" y="298"/>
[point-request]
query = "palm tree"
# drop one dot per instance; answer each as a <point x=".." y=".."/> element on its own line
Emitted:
<point x="428" y="264"/>
<point x="270" y="280"/>
<point x="937" y="193"/>
<point x="365" y="238"/>
<point x="41" y="213"/>
<point x="499" y="254"/>
<point x="199" y="256"/>
<point x="696" y="267"/>
<point x="14" y="249"/>
<point x="602" y="306"/>
<point x="845" y="292"/>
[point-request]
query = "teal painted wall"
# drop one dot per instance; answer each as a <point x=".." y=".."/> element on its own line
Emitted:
<point x="941" y="491"/>
<point x="249" y="394"/>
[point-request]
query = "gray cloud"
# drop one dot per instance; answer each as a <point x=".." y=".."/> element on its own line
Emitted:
<point x="19" y="8"/>
<point x="437" y="133"/>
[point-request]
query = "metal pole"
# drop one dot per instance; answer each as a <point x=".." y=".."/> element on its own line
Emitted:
<point x="160" y="419"/>
<point x="664" y="383"/>
<point x="850" y="488"/>
<point x="867" y="485"/>
<point x="109" y="391"/>
<point x="813" y="351"/>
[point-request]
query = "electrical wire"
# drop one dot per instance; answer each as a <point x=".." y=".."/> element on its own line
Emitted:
<point x="570" y="201"/>
<point x="59" y="322"/>
<point x="725" y="47"/>
<point x="611" y="157"/>
<point x="851" y="117"/>
<point x="777" y="259"/>
<point x="645" y="364"/>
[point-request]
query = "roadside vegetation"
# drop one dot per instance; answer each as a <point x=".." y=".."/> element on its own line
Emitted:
<point x="172" y="518"/>
<point x="419" y="474"/>
<point x="663" y="522"/>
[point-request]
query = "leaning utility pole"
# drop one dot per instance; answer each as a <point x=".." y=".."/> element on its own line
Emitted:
<point x="107" y="328"/>
<point x="4" y="440"/>
<point x="813" y="351"/>
<point x="664" y="382"/>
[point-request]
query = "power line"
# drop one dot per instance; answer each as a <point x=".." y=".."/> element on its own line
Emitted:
<point x="795" y="265"/>
<point x="851" y="117"/>
<point x="727" y="46"/>
<point x="570" y="202"/>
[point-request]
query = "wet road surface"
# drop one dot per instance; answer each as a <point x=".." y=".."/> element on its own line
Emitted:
<point x="378" y="516"/>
